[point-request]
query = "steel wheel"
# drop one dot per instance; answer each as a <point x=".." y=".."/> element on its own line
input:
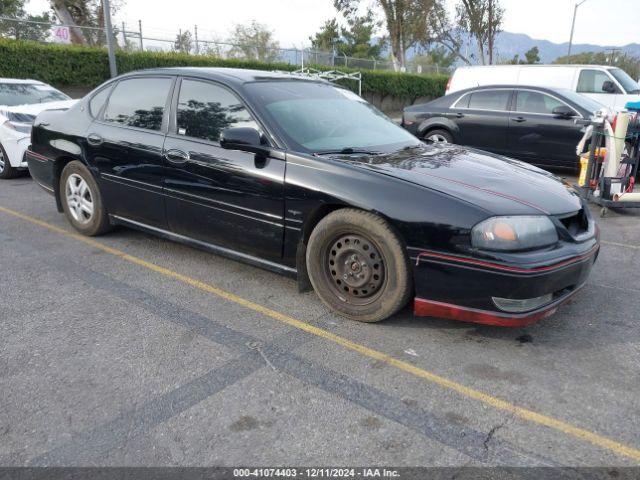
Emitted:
<point x="355" y="269"/>
<point x="358" y="265"/>
<point x="79" y="199"/>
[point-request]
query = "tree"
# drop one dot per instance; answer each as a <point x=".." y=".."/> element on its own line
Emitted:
<point x="85" y="13"/>
<point x="358" y="41"/>
<point x="482" y="19"/>
<point x="628" y="63"/>
<point x="442" y="58"/>
<point x="443" y="32"/>
<point x="532" y="55"/>
<point x="329" y="37"/>
<point x="434" y="58"/>
<point x="183" y="43"/>
<point x="23" y="30"/>
<point x="406" y="22"/>
<point x="255" y="42"/>
<point x="355" y="40"/>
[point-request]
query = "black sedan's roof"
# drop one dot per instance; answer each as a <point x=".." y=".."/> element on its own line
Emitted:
<point x="228" y="75"/>
<point x="511" y="86"/>
<point x="447" y="100"/>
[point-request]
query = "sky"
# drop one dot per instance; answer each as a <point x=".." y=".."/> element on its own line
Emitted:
<point x="602" y="22"/>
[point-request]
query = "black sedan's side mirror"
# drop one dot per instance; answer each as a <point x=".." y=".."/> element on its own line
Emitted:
<point x="245" y="139"/>
<point x="609" y="87"/>
<point x="564" y="112"/>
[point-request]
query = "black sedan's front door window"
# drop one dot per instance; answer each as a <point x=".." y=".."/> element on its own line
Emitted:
<point x="539" y="136"/>
<point x="228" y="198"/>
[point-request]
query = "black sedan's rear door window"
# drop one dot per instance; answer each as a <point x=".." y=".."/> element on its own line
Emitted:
<point x="139" y="102"/>
<point x="490" y="100"/>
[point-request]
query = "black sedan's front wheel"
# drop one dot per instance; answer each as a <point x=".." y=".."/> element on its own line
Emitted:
<point x="358" y="266"/>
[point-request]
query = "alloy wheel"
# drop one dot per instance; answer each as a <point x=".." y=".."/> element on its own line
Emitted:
<point x="1" y="161"/>
<point x="79" y="199"/>
<point x="436" y="138"/>
<point x="355" y="269"/>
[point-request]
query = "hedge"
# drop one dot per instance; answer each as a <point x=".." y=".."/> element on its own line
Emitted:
<point x="81" y="66"/>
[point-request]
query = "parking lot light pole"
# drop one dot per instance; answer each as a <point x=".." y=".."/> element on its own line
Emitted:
<point x="573" y="24"/>
<point x="110" y="43"/>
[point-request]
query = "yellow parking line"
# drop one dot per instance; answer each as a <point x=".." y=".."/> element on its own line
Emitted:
<point x="616" y="244"/>
<point x="524" y="413"/>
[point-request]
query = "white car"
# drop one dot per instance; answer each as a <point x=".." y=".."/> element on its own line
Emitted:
<point x="20" y="102"/>
<point x="610" y="86"/>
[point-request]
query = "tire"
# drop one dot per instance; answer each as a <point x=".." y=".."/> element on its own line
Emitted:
<point x="358" y="266"/>
<point x="82" y="201"/>
<point x="6" y="170"/>
<point x="438" y="136"/>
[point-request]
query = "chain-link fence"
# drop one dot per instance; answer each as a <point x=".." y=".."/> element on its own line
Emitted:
<point x="194" y="41"/>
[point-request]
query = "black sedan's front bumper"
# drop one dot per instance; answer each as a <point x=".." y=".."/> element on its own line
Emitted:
<point x="462" y="288"/>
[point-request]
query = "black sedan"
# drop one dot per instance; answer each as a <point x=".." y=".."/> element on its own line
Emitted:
<point x="305" y="178"/>
<point x="533" y="124"/>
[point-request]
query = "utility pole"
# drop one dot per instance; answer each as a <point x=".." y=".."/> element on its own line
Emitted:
<point x="140" y="30"/>
<point x="573" y="24"/>
<point x="110" y="40"/>
<point x="195" y="29"/>
<point x="124" y="36"/>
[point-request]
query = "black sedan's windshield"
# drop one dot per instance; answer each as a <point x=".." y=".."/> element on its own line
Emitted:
<point x="318" y="117"/>
<point x="12" y="94"/>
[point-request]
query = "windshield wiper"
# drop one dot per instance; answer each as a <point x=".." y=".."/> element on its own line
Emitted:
<point x="348" y="151"/>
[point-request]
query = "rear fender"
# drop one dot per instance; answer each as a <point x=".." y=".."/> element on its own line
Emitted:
<point x="438" y="123"/>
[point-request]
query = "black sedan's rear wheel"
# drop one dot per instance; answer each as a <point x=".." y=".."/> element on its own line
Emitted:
<point x="358" y="266"/>
<point x="438" y="136"/>
<point x="82" y="201"/>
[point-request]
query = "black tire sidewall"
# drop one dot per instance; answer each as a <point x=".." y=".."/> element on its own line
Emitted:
<point x="398" y="284"/>
<point x="99" y="222"/>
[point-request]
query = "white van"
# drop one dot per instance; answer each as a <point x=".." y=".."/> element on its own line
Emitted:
<point x="607" y="85"/>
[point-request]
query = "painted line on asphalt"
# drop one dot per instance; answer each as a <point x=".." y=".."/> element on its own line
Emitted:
<point x="616" y="244"/>
<point x="495" y="402"/>
<point x="91" y="445"/>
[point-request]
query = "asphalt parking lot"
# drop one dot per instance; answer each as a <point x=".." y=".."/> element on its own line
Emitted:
<point x="132" y="350"/>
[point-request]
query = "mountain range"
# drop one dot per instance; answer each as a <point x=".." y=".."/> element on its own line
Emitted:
<point x="510" y="44"/>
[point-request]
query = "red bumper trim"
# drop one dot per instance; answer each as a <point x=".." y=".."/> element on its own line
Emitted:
<point x="37" y="156"/>
<point x="432" y="308"/>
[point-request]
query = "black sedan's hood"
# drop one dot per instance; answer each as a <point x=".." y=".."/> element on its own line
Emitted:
<point x="499" y="185"/>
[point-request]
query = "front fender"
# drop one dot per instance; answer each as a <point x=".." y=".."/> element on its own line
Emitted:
<point x="424" y="217"/>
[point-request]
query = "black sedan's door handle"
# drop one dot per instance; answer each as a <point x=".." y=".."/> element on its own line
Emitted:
<point x="177" y="157"/>
<point x="519" y="119"/>
<point x="94" y="139"/>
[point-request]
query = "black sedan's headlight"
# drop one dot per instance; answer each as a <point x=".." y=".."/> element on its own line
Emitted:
<point x="514" y="233"/>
